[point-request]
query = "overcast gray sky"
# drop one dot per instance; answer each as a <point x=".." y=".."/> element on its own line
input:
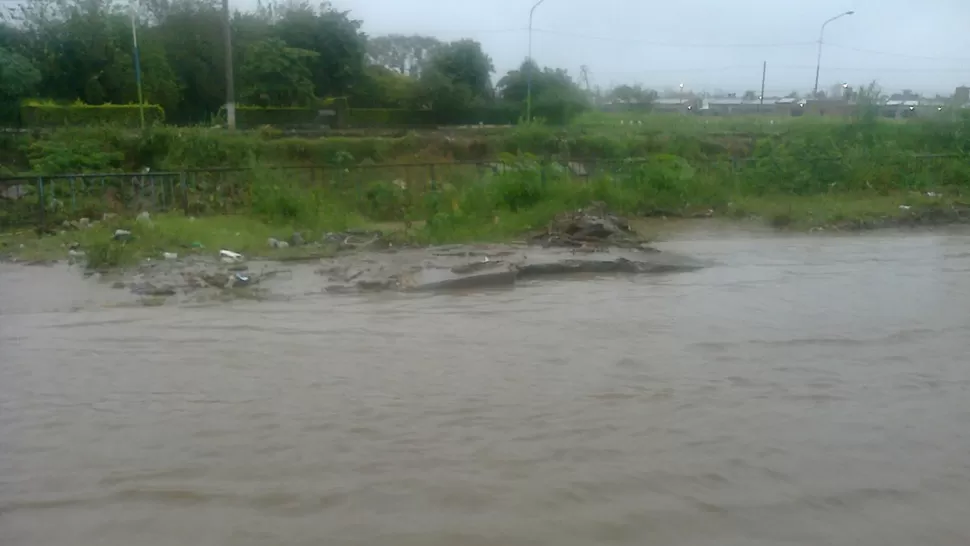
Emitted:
<point x="705" y="44"/>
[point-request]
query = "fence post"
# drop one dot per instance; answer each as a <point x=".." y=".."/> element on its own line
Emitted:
<point x="151" y="178"/>
<point x="185" y="193"/>
<point x="73" y="196"/>
<point x="42" y="213"/>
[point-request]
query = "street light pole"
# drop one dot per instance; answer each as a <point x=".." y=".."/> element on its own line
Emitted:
<point x="528" y="96"/>
<point x="134" y="42"/>
<point x="821" y="34"/>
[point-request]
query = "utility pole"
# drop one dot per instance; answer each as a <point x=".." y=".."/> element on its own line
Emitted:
<point x="134" y="43"/>
<point x="764" y="72"/>
<point x="230" y="92"/>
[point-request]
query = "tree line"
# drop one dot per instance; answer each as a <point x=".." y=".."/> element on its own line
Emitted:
<point x="284" y="55"/>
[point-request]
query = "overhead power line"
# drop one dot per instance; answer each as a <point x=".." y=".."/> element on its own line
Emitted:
<point x="897" y="54"/>
<point x="668" y="44"/>
<point x="741" y="45"/>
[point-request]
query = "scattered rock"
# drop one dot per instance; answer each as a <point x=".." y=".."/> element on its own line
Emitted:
<point x="14" y="192"/>
<point x="297" y="239"/>
<point x="122" y="235"/>
<point x="84" y="223"/>
<point x="108" y="216"/>
<point x="144" y="218"/>
<point x="170" y="255"/>
<point x="276" y="243"/>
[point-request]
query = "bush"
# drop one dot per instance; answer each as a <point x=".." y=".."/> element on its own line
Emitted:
<point x="50" y="114"/>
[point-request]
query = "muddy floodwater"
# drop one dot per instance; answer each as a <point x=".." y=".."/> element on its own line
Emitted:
<point x="801" y="390"/>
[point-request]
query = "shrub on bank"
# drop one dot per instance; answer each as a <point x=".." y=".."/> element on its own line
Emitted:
<point x="49" y="114"/>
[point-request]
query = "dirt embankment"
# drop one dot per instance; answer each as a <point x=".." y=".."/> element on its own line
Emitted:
<point x="584" y="241"/>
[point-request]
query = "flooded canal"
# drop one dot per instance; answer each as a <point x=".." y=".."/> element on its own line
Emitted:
<point x="801" y="391"/>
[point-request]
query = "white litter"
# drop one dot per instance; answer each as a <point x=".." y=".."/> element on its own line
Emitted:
<point x="229" y="256"/>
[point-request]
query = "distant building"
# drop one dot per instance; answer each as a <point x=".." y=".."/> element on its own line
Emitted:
<point x="826" y="107"/>
<point x="727" y="106"/>
<point x="900" y="109"/>
<point x="676" y="106"/>
<point x="962" y="95"/>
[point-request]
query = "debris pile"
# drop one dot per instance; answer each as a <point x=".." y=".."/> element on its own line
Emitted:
<point x="356" y="239"/>
<point x="592" y="227"/>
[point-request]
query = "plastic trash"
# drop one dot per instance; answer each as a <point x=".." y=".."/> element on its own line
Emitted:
<point x="229" y="256"/>
<point x="170" y="255"/>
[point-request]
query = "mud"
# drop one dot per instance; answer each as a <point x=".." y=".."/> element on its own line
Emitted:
<point x="584" y="241"/>
<point x="433" y="269"/>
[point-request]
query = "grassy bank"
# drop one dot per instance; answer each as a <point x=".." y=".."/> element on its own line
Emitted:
<point x="497" y="206"/>
<point x="854" y="175"/>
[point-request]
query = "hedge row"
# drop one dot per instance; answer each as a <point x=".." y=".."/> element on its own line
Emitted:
<point x="394" y="117"/>
<point x="48" y="114"/>
<point x="330" y="112"/>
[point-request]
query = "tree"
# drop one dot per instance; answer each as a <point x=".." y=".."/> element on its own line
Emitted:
<point x="406" y="55"/>
<point x="556" y="97"/>
<point x="463" y="64"/>
<point x="275" y="74"/>
<point x="381" y="87"/>
<point x="634" y="95"/>
<point x="793" y="95"/>
<point x="750" y="95"/>
<point x="337" y="39"/>
<point x="18" y="79"/>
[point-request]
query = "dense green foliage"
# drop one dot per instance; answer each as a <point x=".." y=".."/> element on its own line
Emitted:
<point x="285" y="55"/>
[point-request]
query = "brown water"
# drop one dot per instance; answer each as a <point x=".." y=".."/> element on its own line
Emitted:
<point x="808" y="390"/>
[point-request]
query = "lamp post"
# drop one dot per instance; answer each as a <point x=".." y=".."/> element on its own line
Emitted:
<point x="821" y="34"/>
<point x="134" y="42"/>
<point x="528" y="95"/>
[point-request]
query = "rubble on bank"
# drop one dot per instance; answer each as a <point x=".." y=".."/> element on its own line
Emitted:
<point x="591" y="227"/>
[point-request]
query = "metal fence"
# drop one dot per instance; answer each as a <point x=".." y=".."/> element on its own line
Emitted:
<point x="50" y="200"/>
